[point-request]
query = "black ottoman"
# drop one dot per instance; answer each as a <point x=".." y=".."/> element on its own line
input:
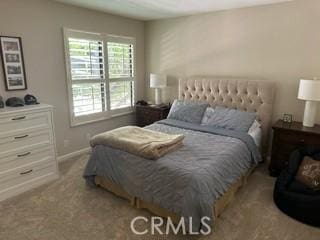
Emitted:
<point x="292" y="197"/>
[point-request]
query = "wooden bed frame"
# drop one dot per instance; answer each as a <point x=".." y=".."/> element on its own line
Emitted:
<point x="247" y="95"/>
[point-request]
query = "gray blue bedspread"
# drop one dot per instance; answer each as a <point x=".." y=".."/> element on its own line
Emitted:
<point x="187" y="181"/>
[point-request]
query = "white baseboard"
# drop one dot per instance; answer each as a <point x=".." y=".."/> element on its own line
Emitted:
<point x="74" y="154"/>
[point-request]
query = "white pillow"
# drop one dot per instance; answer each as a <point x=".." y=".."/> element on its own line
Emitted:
<point x="254" y="126"/>
<point x="255" y="132"/>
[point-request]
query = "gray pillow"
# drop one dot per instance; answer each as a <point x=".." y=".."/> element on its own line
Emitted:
<point x="230" y="119"/>
<point x="187" y="111"/>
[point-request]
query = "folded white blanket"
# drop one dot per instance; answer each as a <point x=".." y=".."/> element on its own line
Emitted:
<point x="139" y="141"/>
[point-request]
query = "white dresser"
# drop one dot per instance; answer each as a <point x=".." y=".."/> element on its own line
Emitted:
<point x="27" y="148"/>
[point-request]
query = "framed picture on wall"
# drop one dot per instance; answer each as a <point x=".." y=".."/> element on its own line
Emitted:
<point x="13" y="64"/>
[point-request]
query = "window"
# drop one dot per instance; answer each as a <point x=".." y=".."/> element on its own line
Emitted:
<point x="87" y="76"/>
<point x="120" y="72"/>
<point x="100" y="73"/>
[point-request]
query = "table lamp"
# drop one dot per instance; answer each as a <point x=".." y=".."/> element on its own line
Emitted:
<point x="309" y="90"/>
<point x="157" y="82"/>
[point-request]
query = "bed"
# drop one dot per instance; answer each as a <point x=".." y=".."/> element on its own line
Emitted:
<point x="202" y="177"/>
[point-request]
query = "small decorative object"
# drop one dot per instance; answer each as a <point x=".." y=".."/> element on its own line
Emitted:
<point x="1" y="102"/>
<point x="13" y="64"/>
<point x="309" y="90"/>
<point x="309" y="173"/>
<point x="158" y="82"/>
<point x="287" y="118"/>
<point x="14" y="102"/>
<point x="30" y="100"/>
<point x="142" y="103"/>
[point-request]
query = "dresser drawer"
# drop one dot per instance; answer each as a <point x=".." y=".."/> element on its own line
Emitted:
<point x="16" y="159"/>
<point x="26" y="173"/>
<point x="27" y="149"/>
<point x="21" y="140"/>
<point x="16" y="122"/>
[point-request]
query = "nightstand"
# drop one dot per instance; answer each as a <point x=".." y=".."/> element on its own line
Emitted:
<point x="287" y="137"/>
<point x="149" y="114"/>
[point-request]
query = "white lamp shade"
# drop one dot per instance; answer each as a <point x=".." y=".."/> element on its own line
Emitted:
<point x="309" y="90"/>
<point x="158" y="81"/>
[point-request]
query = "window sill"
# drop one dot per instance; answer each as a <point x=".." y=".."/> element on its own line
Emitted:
<point x="80" y="123"/>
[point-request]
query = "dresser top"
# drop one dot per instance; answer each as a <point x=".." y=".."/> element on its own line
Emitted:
<point x="297" y="127"/>
<point x="41" y="106"/>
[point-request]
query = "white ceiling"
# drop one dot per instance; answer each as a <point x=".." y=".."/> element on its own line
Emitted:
<point x="157" y="9"/>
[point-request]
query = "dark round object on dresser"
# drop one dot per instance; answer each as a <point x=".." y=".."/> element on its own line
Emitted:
<point x="14" y="102"/>
<point x="293" y="197"/>
<point x="30" y="99"/>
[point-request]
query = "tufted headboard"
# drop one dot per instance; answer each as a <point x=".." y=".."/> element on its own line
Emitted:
<point x="246" y="95"/>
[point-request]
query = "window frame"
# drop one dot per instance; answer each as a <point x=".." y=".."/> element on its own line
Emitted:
<point x="108" y="113"/>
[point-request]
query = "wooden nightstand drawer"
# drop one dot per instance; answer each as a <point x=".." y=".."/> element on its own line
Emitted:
<point x="297" y="138"/>
<point x="151" y="113"/>
<point x="286" y="148"/>
<point x="147" y="120"/>
<point x="147" y="115"/>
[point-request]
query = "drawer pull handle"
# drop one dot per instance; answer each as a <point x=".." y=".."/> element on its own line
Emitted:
<point x="18" y="118"/>
<point x="26" y="172"/>
<point x="24" y="136"/>
<point x="24" y="154"/>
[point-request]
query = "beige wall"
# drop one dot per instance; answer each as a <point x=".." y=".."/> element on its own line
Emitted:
<point x="277" y="42"/>
<point x="39" y="23"/>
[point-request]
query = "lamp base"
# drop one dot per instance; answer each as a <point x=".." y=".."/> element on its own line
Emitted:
<point x="157" y="95"/>
<point x="310" y="112"/>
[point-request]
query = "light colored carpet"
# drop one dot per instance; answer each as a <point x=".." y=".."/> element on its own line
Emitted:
<point x="67" y="209"/>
